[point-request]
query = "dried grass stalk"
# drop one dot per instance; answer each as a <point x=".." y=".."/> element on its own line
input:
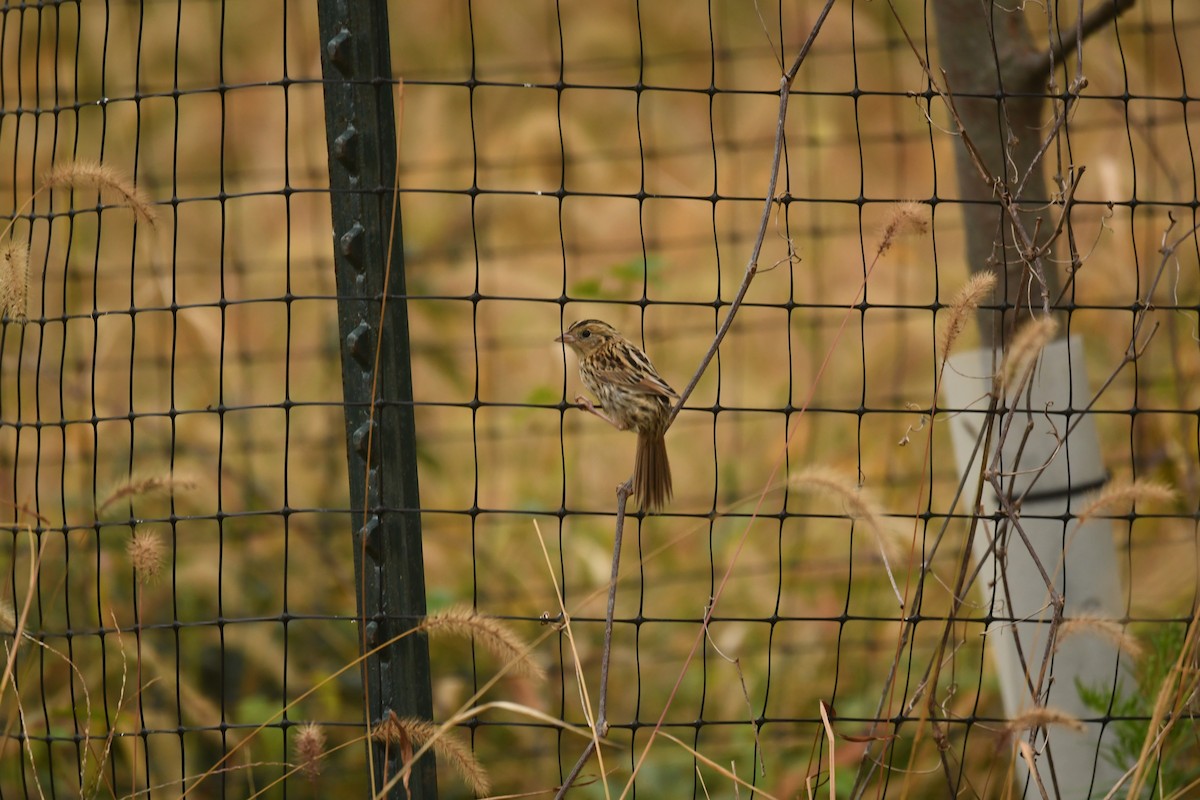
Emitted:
<point x="964" y="304"/>
<point x="1108" y="629"/>
<point x="8" y="619"/>
<point x="908" y="218"/>
<point x="859" y="504"/>
<point x="862" y="507"/>
<point x="1119" y="493"/>
<point x="310" y="749"/>
<point x="112" y="186"/>
<point x="146" y="553"/>
<point x="1042" y="716"/>
<point x="1026" y="346"/>
<point x="139" y="486"/>
<point x="409" y="733"/>
<point x="496" y="637"/>
<point x="14" y="281"/>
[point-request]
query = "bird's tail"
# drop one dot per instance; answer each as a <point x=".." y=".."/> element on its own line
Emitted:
<point x="652" y="472"/>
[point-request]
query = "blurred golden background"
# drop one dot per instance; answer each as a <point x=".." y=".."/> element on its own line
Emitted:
<point x="613" y="153"/>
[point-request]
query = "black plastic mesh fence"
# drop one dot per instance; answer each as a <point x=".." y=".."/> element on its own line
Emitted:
<point x="178" y="559"/>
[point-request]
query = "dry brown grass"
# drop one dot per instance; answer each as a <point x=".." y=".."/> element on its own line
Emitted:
<point x="962" y="308"/>
<point x="14" y="280"/>
<point x="406" y="734"/>
<point x="1108" y="629"/>
<point x="1041" y="717"/>
<point x="108" y="182"/>
<point x="1121" y="493"/>
<point x="219" y="397"/>
<point x="310" y="749"/>
<point x="907" y="219"/>
<point x="858" y="502"/>
<point x="1026" y="346"/>
<point x="146" y="553"/>
<point x="143" y="486"/>
<point x="495" y="637"/>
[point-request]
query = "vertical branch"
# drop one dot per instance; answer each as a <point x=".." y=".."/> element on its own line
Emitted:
<point x="785" y="86"/>
<point x="1004" y="147"/>
<point x="1012" y="224"/>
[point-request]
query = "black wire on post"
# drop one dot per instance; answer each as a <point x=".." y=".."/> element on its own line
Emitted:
<point x="376" y="373"/>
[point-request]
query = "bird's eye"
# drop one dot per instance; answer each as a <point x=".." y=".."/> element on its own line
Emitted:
<point x="585" y="335"/>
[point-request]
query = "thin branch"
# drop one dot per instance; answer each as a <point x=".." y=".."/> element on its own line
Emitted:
<point x="785" y="91"/>
<point x="999" y="188"/>
<point x="1089" y="23"/>
<point x="785" y="86"/>
<point x="1060" y="120"/>
<point x="751" y="270"/>
<point x="871" y="761"/>
<point x="573" y="775"/>
<point x="1067" y="204"/>
<point x="1168" y="252"/>
<point x="623" y="492"/>
<point x="737" y="665"/>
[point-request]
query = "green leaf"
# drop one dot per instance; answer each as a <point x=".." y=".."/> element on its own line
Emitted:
<point x="635" y="270"/>
<point x="542" y="396"/>
<point x="588" y="288"/>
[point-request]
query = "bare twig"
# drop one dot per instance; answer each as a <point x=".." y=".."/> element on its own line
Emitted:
<point x="999" y="186"/>
<point x="1032" y="252"/>
<point x="965" y="580"/>
<point x="573" y="775"/>
<point x="785" y="85"/>
<point x="1060" y="120"/>
<point x="466" y="709"/>
<point x="1029" y="250"/>
<point x="35" y="565"/>
<point x="737" y="665"/>
<point x="601" y="727"/>
<point x="829" y="736"/>
<point x="1105" y="12"/>
<point x="870" y="762"/>
<point x="1027" y="756"/>
<point x="623" y="492"/>
<point x="1168" y="252"/>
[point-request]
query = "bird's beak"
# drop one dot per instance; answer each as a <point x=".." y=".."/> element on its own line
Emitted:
<point x="566" y="338"/>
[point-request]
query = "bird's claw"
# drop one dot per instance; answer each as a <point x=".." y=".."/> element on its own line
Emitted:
<point x="585" y="404"/>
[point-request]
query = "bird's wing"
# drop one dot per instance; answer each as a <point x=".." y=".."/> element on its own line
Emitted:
<point x="642" y="377"/>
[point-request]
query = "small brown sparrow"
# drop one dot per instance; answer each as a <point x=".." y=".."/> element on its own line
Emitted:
<point x="635" y="398"/>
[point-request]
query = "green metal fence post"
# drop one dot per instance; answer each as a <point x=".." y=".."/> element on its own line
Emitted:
<point x="361" y="137"/>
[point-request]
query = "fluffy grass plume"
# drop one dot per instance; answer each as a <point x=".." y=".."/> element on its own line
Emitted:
<point x="1042" y="716"/>
<point x="146" y="552"/>
<point x="14" y="281"/>
<point x="8" y="618"/>
<point x="409" y="733"/>
<point x="112" y="186"/>
<point x="1119" y="493"/>
<point x="907" y="218"/>
<point x="1027" y="344"/>
<point x="310" y="749"/>
<point x="140" y="486"/>
<point x="964" y="304"/>
<point x="491" y="633"/>
<point x="858" y="503"/>
<point x="1108" y="629"/>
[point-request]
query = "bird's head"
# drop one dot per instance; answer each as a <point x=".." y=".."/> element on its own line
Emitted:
<point x="587" y="335"/>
